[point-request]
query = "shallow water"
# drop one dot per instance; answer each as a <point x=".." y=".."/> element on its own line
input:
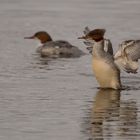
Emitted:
<point x="59" y="99"/>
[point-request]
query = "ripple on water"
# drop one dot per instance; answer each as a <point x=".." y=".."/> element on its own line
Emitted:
<point x="113" y="117"/>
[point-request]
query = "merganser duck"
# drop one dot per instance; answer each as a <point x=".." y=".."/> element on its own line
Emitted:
<point x="107" y="67"/>
<point x="50" y="48"/>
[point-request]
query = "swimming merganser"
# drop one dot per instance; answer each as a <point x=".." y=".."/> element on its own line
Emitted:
<point x="50" y="48"/>
<point x="107" y="67"/>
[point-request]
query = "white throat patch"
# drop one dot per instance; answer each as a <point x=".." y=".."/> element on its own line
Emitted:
<point x="38" y="42"/>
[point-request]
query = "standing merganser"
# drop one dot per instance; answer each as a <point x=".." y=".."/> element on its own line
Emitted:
<point x="50" y="48"/>
<point x="106" y="67"/>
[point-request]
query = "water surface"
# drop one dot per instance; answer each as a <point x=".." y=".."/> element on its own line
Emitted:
<point x="59" y="99"/>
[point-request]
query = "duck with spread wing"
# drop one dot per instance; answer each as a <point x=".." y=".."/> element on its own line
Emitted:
<point x="106" y="66"/>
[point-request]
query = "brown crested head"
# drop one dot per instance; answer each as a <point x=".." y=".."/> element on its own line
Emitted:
<point x="42" y="36"/>
<point x="96" y="35"/>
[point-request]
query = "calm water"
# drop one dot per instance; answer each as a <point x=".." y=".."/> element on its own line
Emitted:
<point x="58" y="99"/>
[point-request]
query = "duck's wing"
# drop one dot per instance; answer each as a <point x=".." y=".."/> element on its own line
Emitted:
<point x="59" y="44"/>
<point x="88" y="43"/>
<point x="86" y="30"/>
<point x="107" y="46"/>
<point x="128" y="55"/>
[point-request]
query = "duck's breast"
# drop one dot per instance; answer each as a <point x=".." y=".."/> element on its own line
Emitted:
<point x="106" y="74"/>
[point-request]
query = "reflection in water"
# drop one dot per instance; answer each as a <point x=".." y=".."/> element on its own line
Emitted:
<point x="128" y="119"/>
<point x="40" y="63"/>
<point x="105" y="109"/>
<point x="111" y="117"/>
<point x="49" y="63"/>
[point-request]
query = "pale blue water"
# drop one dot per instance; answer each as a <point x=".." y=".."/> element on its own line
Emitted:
<point x="59" y="99"/>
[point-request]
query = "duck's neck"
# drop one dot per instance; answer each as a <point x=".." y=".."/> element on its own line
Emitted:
<point x="45" y="42"/>
<point x="98" y="49"/>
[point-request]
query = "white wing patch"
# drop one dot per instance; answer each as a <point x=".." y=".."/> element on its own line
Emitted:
<point x="57" y="47"/>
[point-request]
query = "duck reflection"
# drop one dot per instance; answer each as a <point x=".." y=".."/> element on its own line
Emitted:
<point x="106" y="108"/>
<point x="112" y="117"/>
<point x="128" y="119"/>
<point x="40" y="63"/>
